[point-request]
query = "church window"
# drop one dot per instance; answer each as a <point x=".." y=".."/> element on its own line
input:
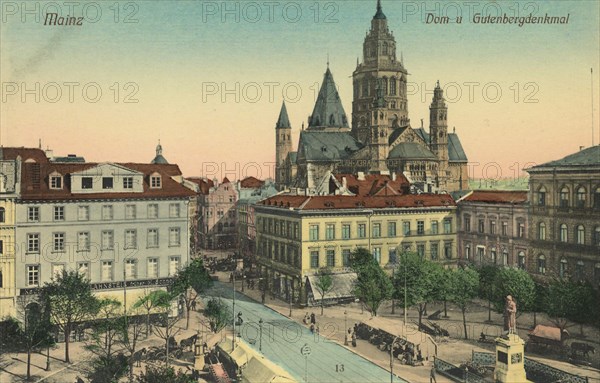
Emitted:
<point x="365" y="88"/>
<point x="384" y="85"/>
<point x="385" y="48"/>
<point x="393" y="87"/>
<point x="331" y="120"/>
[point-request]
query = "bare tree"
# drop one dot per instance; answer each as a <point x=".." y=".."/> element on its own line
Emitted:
<point x="167" y="332"/>
<point x="323" y="285"/>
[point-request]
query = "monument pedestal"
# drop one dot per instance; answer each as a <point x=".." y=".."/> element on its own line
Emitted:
<point x="510" y="360"/>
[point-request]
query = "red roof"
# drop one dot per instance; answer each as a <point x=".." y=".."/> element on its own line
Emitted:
<point x="37" y="155"/>
<point x="359" y="202"/>
<point x="251" y="183"/>
<point x="375" y="184"/>
<point x="35" y="182"/>
<point x="203" y="183"/>
<point x="497" y="196"/>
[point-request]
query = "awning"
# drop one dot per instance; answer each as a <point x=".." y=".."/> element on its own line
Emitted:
<point x="343" y="284"/>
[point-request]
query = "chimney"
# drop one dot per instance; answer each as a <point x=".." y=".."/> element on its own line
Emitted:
<point x="344" y="182"/>
<point x="361" y="176"/>
<point x="394" y="176"/>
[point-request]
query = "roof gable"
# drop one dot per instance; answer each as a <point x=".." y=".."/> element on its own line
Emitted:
<point x="328" y="111"/>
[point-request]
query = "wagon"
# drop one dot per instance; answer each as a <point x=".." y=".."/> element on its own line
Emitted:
<point x="548" y="337"/>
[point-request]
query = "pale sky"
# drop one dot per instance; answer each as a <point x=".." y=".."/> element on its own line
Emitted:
<point x="195" y="69"/>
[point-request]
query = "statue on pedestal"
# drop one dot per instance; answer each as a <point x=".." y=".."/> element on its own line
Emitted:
<point x="510" y="315"/>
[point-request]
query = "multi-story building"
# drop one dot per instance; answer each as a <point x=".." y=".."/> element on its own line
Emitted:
<point x="565" y="217"/>
<point x="125" y="226"/>
<point x="217" y="221"/>
<point x="492" y="228"/>
<point x="298" y="235"/>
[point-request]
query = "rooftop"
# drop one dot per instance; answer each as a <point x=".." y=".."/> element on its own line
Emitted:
<point x="497" y="196"/>
<point x="585" y="157"/>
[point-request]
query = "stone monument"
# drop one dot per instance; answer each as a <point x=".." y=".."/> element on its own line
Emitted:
<point x="510" y="349"/>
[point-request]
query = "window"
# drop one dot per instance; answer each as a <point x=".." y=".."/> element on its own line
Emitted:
<point x="330" y="231"/>
<point x="447" y="225"/>
<point x="155" y="182"/>
<point x="152" y="238"/>
<point x="542" y="231"/>
<point x="597" y="199"/>
<point x="296" y="231"/>
<point x="174" y="236"/>
<point x="55" y="182"/>
<point x="376" y="230"/>
<point x="420" y="227"/>
<point x="392" y="255"/>
<point x="564" y="197"/>
<point x="448" y="250"/>
<point x="107" y="212"/>
<point x="580" y="235"/>
<point x="153" y="210"/>
<point x="127" y="182"/>
<point x="33" y="243"/>
<point x="130" y="212"/>
<point x="107" y="270"/>
<point x="468" y="252"/>
<point x="581" y="197"/>
<point x="579" y="270"/>
<point x="173" y="265"/>
<point x="107" y="182"/>
<point x="33" y="275"/>
<point x="541" y="264"/>
<point x="434" y="251"/>
<point x="504" y="228"/>
<point x="59" y="213"/>
<point x="33" y="214"/>
<point x="83" y="213"/>
<point x="362" y="230"/>
<point x="330" y="258"/>
<point x="152" y="267"/>
<point x="346" y="257"/>
<point x="562" y="268"/>
<point x="377" y="254"/>
<point x="564" y="233"/>
<point x="107" y="240"/>
<point x="435" y="230"/>
<point x="406" y="228"/>
<point x="87" y="182"/>
<point x="313" y="233"/>
<point x="345" y="231"/>
<point x="467" y="223"/>
<point x="421" y="250"/>
<point x="130" y="239"/>
<point x="83" y="268"/>
<point x="521" y="260"/>
<point x="493" y="255"/>
<point x="83" y="241"/>
<point x="391" y="229"/>
<point x="597" y="236"/>
<point x="480" y="254"/>
<point x="1" y="248"/>
<point x="504" y="257"/>
<point x="174" y="210"/>
<point x="58" y="242"/>
<point x="481" y="226"/>
<point x="521" y="230"/>
<point x="2" y="214"/>
<point x="314" y="259"/>
<point x="130" y="269"/>
<point x="542" y="196"/>
<point x="493" y="227"/>
<point x="57" y="270"/>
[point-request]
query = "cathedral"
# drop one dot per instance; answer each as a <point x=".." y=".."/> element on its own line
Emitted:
<point x="380" y="138"/>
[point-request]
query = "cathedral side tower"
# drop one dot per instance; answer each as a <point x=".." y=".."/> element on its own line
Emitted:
<point x="380" y="69"/>
<point x="378" y="140"/>
<point x="283" y="144"/>
<point x="438" y="131"/>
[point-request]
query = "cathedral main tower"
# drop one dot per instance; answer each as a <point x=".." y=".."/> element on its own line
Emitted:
<point x="380" y="69"/>
<point x="283" y="144"/>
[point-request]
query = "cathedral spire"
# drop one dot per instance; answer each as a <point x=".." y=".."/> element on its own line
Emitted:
<point x="328" y="111"/>
<point x="283" y="121"/>
<point x="379" y="14"/>
<point x="159" y="159"/>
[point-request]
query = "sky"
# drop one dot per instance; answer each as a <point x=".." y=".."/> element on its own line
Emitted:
<point x="207" y="78"/>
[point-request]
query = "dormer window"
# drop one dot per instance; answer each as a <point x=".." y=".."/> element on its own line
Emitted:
<point x="107" y="182"/>
<point x="155" y="181"/>
<point x="56" y="181"/>
<point x="87" y="182"/>
<point x="127" y="182"/>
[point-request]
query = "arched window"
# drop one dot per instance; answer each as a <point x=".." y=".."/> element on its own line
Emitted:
<point x="468" y="252"/>
<point x="385" y="48"/>
<point x="2" y="215"/>
<point x="384" y="86"/>
<point x="521" y="260"/>
<point x="581" y="197"/>
<point x="579" y="270"/>
<point x="1" y="281"/>
<point x="597" y="199"/>
<point x="564" y="197"/>
<point x="393" y="86"/>
<point x="562" y="268"/>
<point x="541" y="264"/>
<point x="564" y="233"/>
<point x="542" y="196"/>
<point x="597" y="236"/>
<point x="542" y="231"/>
<point x="493" y="255"/>
<point x="365" y="88"/>
<point x="580" y="235"/>
<point x="504" y="257"/>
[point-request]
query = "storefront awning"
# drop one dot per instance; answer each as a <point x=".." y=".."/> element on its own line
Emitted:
<point x="343" y="284"/>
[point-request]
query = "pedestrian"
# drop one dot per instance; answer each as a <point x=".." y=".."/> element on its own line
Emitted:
<point x="317" y="329"/>
<point x="306" y="318"/>
<point x="353" y="339"/>
<point x="356" y="328"/>
<point x="432" y="378"/>
<point x="230" y="277"/>
<point x="347" y="337"/>
<point x="313" y="319"/>
<point x="194" y="305"/>
<point x="312" y="328"/>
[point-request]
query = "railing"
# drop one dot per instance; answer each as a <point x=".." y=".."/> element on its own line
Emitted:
<point x="484" y="358"/>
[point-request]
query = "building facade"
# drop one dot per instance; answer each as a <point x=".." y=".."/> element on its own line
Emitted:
<point x="217" y="218"/>
<point x="493" y="228"/>
<point x="380" y="138"/>
<point x="565" y="217"/>
<point x="124" y="226"/>
<point x="298" y="235"/>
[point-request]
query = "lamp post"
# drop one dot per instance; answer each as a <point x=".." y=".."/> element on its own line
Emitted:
<point x="233" y="311"/>
<point x="392" y="359"/>
<point x="345" y="327"/>
<point x="260" y="324"/>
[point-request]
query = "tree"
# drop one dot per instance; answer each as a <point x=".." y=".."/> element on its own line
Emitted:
<point x="70" y="301"/>
<point x="421" y="278"/>
<point x="585" y="304"/>
<point x="373" y="286"/>
<point x="464" y="285"/>
<point x="518" y="284"/>
<point x="487" y="276"/>
<point x="157" y="299"/>
<point x="559" y="302"/>
<point x="129" y="334"/>
<point x="323" y="285"/>
<point x="163" y="374"/>
<point x="442" y="290"/>
<point x="106" y="328"/>
<point x="218" y="314"/>
<point x="190" y="282"/>
<point x="169" y="331"/>
<point x="107" y="369"/>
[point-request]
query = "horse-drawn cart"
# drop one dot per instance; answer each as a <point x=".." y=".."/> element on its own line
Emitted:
<point x="548" y="337"/>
